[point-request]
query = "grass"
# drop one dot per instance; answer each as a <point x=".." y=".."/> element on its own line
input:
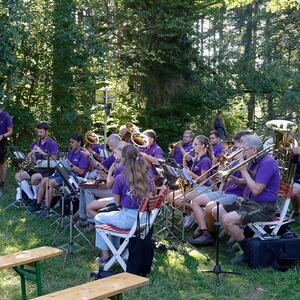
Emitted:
<point x="175" y="276"/>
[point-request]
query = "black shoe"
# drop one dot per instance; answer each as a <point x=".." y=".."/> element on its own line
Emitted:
<point x="33" y="202"/>
<point x="237" y="259"/>
<point x="204" y="240"/>
<point x="232" y="250"/>
<point x="197" y="233"/>
<point x="99" y="273"/>
<point x="35" y="208"/>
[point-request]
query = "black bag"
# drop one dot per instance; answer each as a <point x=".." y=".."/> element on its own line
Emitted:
<point x="141" y="251"/>
<point x="280" y="254"/>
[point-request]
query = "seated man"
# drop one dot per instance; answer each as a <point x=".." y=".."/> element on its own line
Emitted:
<point x="216" y="144"/>
<point x="262" y="178"/>
<point x="78" y="164"/>
<point x="182" y="148"/>
<point x="296" y="186"/>
<point x="203" y="234"/>
<point x="39" y="151"/>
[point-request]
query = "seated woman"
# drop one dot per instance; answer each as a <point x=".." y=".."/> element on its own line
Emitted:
<point x="198" y="172"/>
<point x="130" y="187"/>
<point x="116" y="168"/>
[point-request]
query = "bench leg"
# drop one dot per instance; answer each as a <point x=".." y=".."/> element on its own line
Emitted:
<point x="116" y="297"/>
<point x="30" y="275"/>
<point x="38" y="278"/>
<point x="23" y="285"/>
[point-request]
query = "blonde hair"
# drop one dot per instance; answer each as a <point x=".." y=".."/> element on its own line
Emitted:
<point x="202" y="139"/>
<point x="136" y="171"/>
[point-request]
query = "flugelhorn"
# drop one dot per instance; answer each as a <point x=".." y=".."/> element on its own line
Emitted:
<point x="172" y="146"/>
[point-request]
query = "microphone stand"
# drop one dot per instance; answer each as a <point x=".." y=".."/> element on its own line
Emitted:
<point x="217" y="270"/>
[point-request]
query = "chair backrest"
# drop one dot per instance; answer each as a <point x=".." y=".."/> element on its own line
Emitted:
<point x="285" y="190"/>
<point x="152" y="205"/>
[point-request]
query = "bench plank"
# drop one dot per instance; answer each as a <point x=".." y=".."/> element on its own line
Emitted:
<point x="28" y="256"/>
<point x="99" y="289"/>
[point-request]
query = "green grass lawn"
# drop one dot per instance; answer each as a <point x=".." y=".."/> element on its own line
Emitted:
<point x="175" y="276"/>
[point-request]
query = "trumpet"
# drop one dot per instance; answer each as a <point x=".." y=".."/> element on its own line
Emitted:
<point x="172" y="146"/>
<point x="138" y="139"/>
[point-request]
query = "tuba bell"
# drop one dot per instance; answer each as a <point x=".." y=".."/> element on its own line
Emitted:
<point x="137" y="138"/>
<point x="91" y="138"/>
<point x="283" y="143"/>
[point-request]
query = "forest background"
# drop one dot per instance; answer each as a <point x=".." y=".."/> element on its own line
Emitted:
<point x="172" y="63"/>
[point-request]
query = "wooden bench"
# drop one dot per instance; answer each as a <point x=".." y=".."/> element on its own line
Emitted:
<point x="30" y="258"/>
<point x="110" y="287"/>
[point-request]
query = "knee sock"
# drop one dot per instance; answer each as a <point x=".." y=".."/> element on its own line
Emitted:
<point x="26" y="188"/>
<point x="35" y="190"/>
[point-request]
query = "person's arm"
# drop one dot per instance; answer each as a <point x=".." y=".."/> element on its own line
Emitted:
<point x="213" y="124"/>
<point x="76" y="169"/>
<point x="117" y="199"/>
<point x="255" y="187"/>
<point x="224" y="126"/>
<point x="110" y="179"/>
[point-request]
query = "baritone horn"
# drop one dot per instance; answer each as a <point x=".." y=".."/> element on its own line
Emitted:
<point x="138" y="139"/>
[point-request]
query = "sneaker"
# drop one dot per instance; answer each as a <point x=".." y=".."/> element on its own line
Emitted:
<point x="35" y="208"/>
<point x="90" y="227"/>
<point x="46" y="212"/>
<point x="237" y="259"/>
<point x="103" y="261"/>
<point x="197" y="233"/>
<point x="232" y="250"/>
<point x="188" y="220"/>
<point x="82" y="223"/>
<point x="33" y="202"/>
<point x="204" y="240"/>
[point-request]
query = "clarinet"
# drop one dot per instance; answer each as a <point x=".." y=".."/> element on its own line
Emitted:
<point x="97" y="163"/>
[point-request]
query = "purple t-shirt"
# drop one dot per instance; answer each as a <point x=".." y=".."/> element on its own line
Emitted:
<point x="198" y="165"/>
<point x="99" y="149"/>
<point x="233" y="188"/>
<point x="49" y="146"/>
<point x="155" y="151"/>
<point x="118" y="171"/>
<point x="78" y="159"/>
<point x="266" y="172"/>
<point x="178" y="154"/>
<point x="108" y="161"/>
<point x="5" y="122"/>
<point x="122" y="188"/>
<point x="217" y="149"/>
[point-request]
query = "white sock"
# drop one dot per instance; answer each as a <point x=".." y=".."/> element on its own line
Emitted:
<point x="26" y="188"/>
<point x="36" y="190"/>
<point x="19" y="194"/>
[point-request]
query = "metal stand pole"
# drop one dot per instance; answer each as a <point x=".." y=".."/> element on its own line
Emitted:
<point x="217" y="270"/>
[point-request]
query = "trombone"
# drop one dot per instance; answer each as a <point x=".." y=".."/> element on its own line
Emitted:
<point x="226" y="173"/>
<point x="222" y="159"/>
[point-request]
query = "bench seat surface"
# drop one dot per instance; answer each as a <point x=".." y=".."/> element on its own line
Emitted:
<point x="99" y="289"/>
<point x="28" y="256"/>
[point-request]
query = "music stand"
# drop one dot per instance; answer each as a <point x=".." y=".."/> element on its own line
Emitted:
<point x="71" y="183"/>
<point x="172" y="173"/>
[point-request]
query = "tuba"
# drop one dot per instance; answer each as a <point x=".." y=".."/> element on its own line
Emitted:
<point x="91" y="138"/>
<point x="138" y="139"/>
<point x="283" y="143"/>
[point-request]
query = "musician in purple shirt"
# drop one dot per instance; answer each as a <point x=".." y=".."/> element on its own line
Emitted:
<point x="203" y="234"/>
<point x="78" y="163"/>
<point x="152" y="152"/>
<point x="39" y="151"/>
<point x="6" y="130"/>
<point x="215" y="141"/>
<point x="128" y="193"/>
<point x="262" y="178"/>
<point x="182" y="148"/>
